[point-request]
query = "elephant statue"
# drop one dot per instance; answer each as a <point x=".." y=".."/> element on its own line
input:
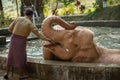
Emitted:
<point x="74" y="43"/>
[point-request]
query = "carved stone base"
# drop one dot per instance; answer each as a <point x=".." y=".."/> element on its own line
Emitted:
<point x="57" y="70"/>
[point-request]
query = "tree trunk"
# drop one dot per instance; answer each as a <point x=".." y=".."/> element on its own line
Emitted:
<point x="1" y="10"/>
<point x="1" y="14"/>
<point x="17" y="8"/>
<point x="39" y="8"/>
<point x="26" y="2"/>
<point x="39" y="5"/>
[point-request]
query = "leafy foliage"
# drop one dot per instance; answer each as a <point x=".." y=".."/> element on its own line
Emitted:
<point x="109" y="13"/>
<point x="68" y="10"/>
<point x="66" y="2"/>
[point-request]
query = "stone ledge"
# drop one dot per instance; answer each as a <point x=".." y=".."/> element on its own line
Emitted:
<point x="57" y="70"/>
<point x="90" y="23"/>
<point x="2" y="39"/>
<point x="4" y="32"/>
<point x="100" y="23"/>
<point x="72" y="17"/>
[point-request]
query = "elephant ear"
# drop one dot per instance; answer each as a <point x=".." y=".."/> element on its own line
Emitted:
<point x="87" y="45"/>
<point x="86" y="38"/>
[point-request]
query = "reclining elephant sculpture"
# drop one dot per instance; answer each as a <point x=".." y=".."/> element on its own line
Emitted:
<point x="74" y="44"/>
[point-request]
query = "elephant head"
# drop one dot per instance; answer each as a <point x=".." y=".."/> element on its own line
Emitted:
<point x="72" y="42"/>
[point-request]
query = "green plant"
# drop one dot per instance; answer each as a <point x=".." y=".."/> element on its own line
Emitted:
<point x="66" y="2"/>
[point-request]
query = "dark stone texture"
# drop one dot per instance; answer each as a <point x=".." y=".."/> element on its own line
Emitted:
<point x="4" y="32"/>
<point x="56" y="70"/>
<point x="2" y="39"/>
<point x="100" y="23"/>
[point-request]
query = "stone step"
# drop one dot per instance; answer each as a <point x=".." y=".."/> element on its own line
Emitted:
<point x="2" y="39"/>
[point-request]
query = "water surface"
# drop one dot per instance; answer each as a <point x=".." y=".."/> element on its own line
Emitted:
<point x="103" y="36"/>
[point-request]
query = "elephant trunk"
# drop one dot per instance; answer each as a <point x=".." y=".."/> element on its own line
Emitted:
<point x="48" y="30"/>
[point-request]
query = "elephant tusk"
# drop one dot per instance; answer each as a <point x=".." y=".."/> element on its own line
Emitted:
<point x="67" y="50"/>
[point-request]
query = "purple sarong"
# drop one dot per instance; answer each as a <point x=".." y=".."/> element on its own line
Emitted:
<point x="17" y="51"/>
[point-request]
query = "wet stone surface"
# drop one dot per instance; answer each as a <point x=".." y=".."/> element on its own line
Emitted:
<point x="15" y="76"/>
<point x="58" y="70"/>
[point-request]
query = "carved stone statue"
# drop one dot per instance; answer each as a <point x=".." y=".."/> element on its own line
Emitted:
<point x="74" y="44"/>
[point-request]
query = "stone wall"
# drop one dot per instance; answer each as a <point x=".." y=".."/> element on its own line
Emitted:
<point x="57" y="70"/>
<point x="100" y="23"/>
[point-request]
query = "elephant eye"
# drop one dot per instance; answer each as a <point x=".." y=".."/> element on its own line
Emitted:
<point x="68" y="36"/>
<point x="75" y="45"/>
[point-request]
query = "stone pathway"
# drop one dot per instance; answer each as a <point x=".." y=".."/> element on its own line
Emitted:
<point x="15" y="76"/>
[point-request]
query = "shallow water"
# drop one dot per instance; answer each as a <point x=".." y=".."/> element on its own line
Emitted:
<point x="103" y="36"/>
<point x="107" y="36"/>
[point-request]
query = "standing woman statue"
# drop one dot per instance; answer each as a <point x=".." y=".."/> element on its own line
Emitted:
<point x="20" y="28"/>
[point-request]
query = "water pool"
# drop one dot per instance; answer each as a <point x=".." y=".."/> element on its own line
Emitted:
<point x="104" y="36"/>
